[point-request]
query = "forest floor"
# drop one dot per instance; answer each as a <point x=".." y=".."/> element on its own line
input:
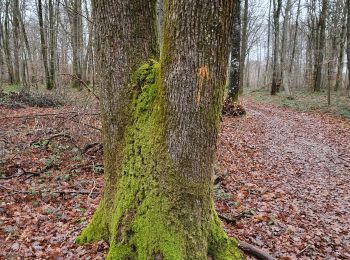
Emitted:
<point x="283" y="181"/>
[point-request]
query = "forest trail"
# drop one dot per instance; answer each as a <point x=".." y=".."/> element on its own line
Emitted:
<point x="289" y="178"/>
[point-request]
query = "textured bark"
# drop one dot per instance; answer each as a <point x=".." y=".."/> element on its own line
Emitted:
<point x="44" y="46"/>
<point x="2" y="58"/>
<point x="348" y="42"/>
<point x="16" y="41"/>
<point x="321" y="46"/>
<point x="284" y="65"/>
<point x="235" y="56"/>
<point x="160" y="124"/>
<point x="77" y="42"/>
<point x="53" y="45"/>
<point x="339" y="79"/>
<point x="276" y="16"/>
<point x="6" y="40"/>
<point x="295" y="37"/>
<point x="244" y="46"/>
<point x="268" y="44"/>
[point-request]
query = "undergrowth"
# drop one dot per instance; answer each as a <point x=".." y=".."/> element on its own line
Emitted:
<point x="306" y="101"/>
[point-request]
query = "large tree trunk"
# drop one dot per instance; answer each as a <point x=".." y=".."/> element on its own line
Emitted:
<point x="321" y="46"/>
<point x="235" y="55"/>
<point x="160" y="126"/>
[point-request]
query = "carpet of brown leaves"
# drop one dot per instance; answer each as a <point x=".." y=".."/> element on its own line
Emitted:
<point x="284" y="182"/>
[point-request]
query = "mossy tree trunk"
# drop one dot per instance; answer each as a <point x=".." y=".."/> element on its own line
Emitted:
<point x="160" y="122"/>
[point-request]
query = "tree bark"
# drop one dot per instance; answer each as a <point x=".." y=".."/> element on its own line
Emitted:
<point x="348" y="43"/>
<point x="244" y="46"/>
<point x="74" y="11"/>
<point x="6" y="41"/>
<point x="321" y="46"/>
<point x="53" y="45"/>
<point x="276" y="16"/>
<point x="235" y="55"/>
<point x="284" y="65"/>
<point x="339" y="79"/>
<point x="16" y="41"/>
<point x="44" y="46"/>
<point x="268" y="44"/>
<point x="160" y="124"/>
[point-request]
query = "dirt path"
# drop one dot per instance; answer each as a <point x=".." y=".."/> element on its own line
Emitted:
<point x="289" y="175"/>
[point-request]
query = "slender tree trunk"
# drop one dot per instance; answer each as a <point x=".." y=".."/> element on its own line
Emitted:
<point x="339" y="79"/>
<point x="235" y="55"/>
<point x="53" y="45"/>
<point x="28" y="62"/>
<point x="348" y="43"/>
<point x="44" y="46"/>
<point x="276" y="16"/>
<point x="74" y="13"/>
<point x="244" y="46"/>
<point x="2" y="55"/>
<point x="284" y="65"/>
<point x="16" y="41"/>
<point x="159" y="150"/>
<point x="6" y="39"/>
<point x="321" y="46"/>
<point x="268" y="44"/>
<point x="295" y="37"/>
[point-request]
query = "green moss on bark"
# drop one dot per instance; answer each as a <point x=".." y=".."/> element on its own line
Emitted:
<point x="220" y="245"/>
<point x="149" y="219"/>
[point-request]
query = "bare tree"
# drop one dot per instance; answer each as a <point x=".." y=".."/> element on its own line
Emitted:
<point x="321" y="46"/>
<point x="277" y="6"/>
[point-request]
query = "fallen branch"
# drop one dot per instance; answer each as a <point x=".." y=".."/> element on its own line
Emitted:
<point x="254" y="251"/>
<point x="84" y="124"/>
<point x="48" y="191"/>
<point x="81" y="82"/>
<point x="89" y="146"/>
<point x="50" y="114"/>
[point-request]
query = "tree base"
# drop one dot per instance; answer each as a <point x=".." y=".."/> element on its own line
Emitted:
<point x="151" y="212"/>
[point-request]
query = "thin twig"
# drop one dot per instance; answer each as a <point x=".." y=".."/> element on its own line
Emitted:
<point x="303" y="250"/>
